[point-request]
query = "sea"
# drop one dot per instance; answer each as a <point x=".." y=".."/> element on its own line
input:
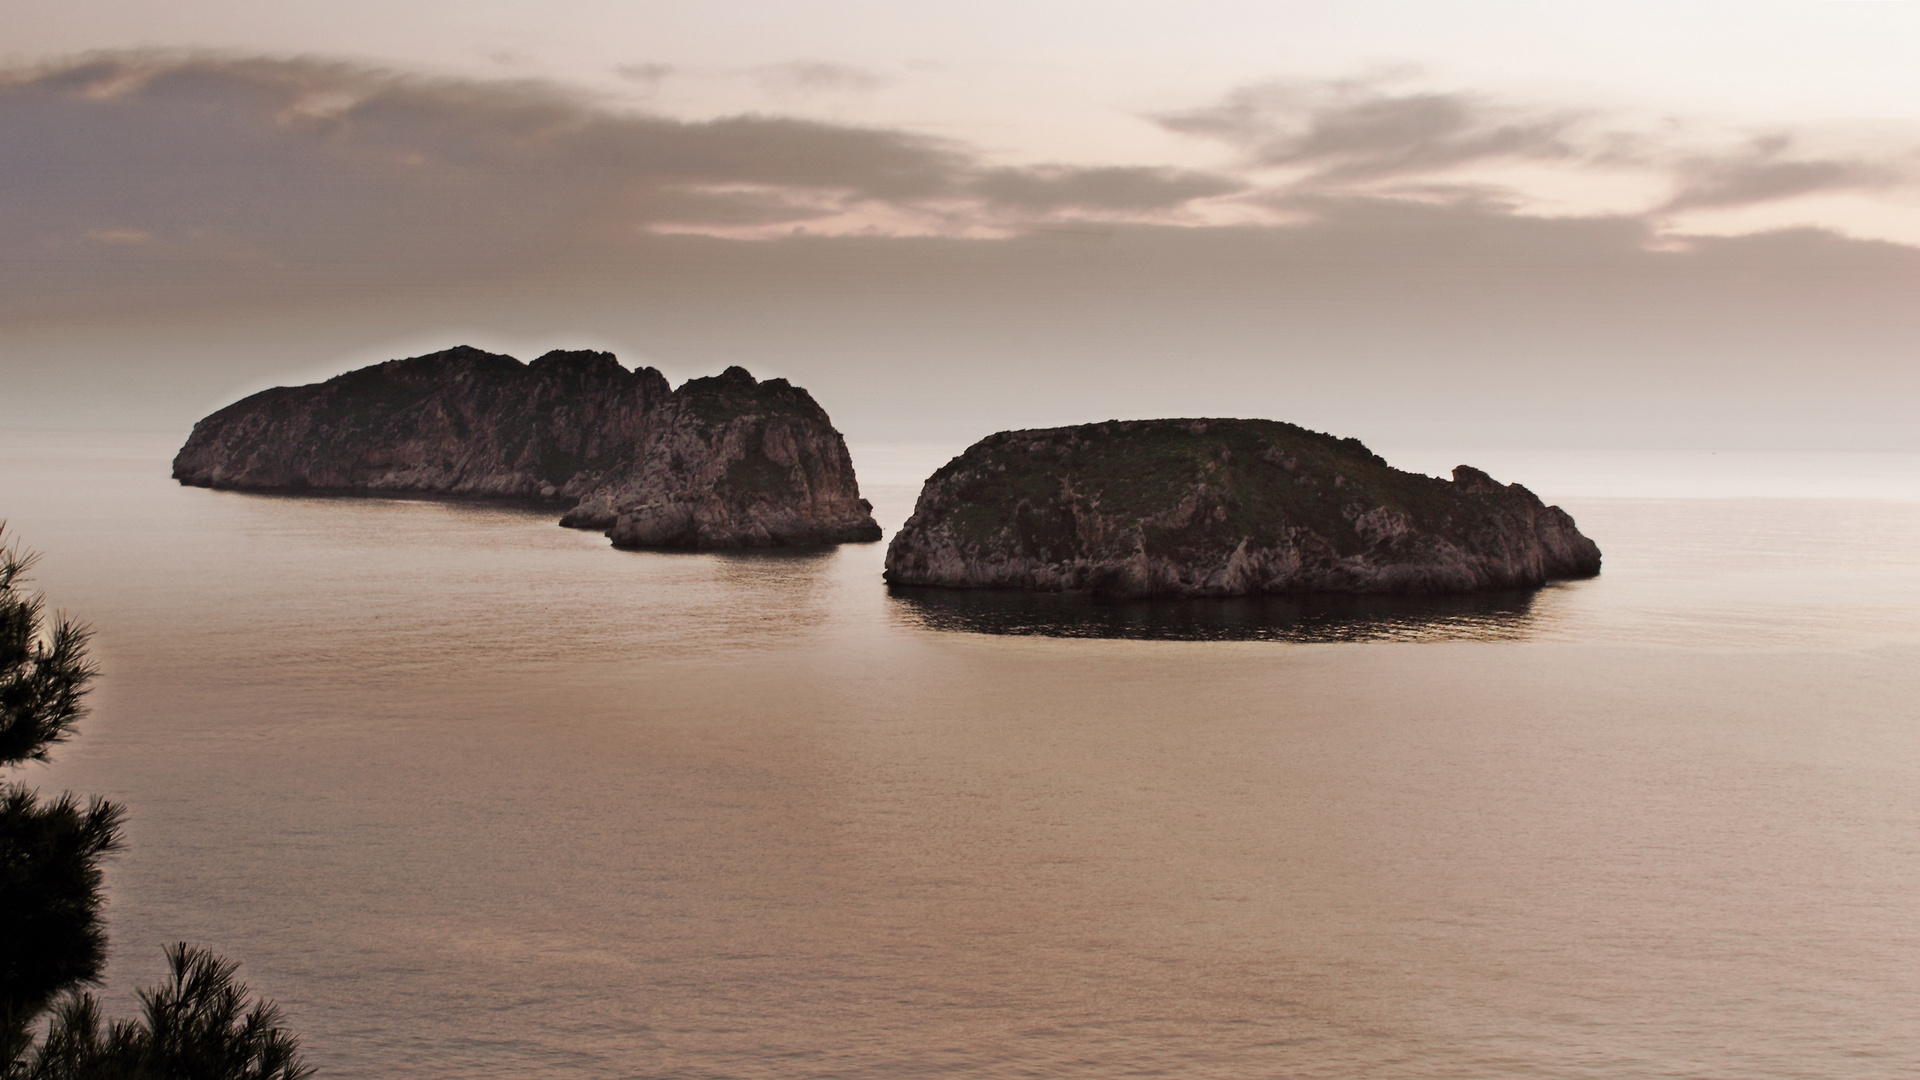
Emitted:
<point x="471" y="795"/>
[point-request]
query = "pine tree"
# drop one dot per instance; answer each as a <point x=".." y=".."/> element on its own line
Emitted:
<point x="198" y="1026"/>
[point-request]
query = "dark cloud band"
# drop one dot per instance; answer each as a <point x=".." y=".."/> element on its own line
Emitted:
<point x="172" y="181"/>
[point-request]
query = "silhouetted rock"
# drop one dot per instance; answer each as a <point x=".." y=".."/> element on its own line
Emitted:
<point x="1221" y="508"/>
<point x="724" y="462"/>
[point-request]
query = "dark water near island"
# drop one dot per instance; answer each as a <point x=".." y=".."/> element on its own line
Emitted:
<point x="1480" y="617"/>
<point x="475" y="796"/>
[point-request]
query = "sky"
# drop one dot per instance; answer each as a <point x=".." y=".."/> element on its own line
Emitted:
<point x="1625" y="225"/>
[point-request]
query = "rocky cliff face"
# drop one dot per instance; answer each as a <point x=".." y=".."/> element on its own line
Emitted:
<point x="1222" y="508"/>
<point x="734" y="463"/>
<point x="459" y="422"/>
<point x="720" y="463"/>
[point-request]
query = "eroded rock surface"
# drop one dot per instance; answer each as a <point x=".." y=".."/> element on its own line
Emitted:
<point x="1222" y="508"/>
<point x="735" y="463"/>
<point x="724" y="462"/>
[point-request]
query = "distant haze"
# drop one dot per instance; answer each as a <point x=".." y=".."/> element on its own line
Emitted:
<point x="1430" y="247"/>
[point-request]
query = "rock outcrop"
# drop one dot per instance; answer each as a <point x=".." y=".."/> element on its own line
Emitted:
<point x="459" y="422"/>
<point x="1222" y="508"/>
<point x="724" y="462"/>
<point x="734" y="463"/>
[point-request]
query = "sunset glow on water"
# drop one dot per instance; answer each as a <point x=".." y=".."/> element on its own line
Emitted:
<point x="473" y="795"/>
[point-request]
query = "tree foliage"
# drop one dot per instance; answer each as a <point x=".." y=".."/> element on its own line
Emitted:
<point x="44" y="671"/>
<point x="200" y="1025"/>
<point x="50" y="902"/>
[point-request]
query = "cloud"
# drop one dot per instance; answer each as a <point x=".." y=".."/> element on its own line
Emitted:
<point x="228" y="173"/>
<point x="647" y="75"/>
<point x="1112" y="188"/>
<point x="175" y="231"/>
<point x="1356" y="131"/>
<point x="1364" y="136"/>
<point x="807" y="78"/>
<point x="168" y="182"/>
<point x="1765" y="171"/>
<point x="258" y="148"/>
<point x="246" y="175"/>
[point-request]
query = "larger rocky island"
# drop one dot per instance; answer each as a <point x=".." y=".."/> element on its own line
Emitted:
<point x="721" y="462"/>
<point x="1222" y="508"/>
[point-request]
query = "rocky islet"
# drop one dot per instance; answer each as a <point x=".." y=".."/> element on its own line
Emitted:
<point x="1222" y="508"/>
<point x="1125" y="508"/>
<point x="721" y="462"/>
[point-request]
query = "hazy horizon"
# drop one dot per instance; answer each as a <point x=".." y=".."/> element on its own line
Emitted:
<point x="1401" y="228"/>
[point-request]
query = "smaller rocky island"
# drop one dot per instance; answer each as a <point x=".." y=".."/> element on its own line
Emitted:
<point x="1222" y="508"/>
<point x="722" y="462"/>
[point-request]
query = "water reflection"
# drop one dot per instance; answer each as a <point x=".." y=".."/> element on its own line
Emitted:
<point x="1486" y="616"/>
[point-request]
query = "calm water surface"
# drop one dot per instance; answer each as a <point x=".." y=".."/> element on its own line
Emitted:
<point x="476" y="796"/>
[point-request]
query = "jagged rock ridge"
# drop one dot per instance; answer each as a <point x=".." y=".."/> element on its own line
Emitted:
<point x="723" y="462"/>
<point x="1222" y="508"/>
